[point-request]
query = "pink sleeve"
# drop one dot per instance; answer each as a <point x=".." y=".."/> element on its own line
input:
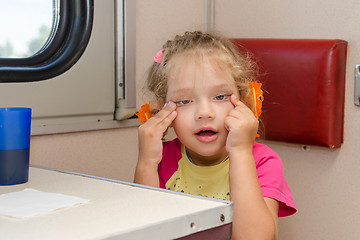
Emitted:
<point x="272" y="180"/>
<point x="169" y="163"/>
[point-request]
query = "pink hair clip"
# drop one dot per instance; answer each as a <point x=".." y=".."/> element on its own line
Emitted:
<point x="158" y="57"/>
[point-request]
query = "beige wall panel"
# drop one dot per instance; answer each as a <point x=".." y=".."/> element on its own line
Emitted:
<point x="324" y="182"/>
<point x="104" y="153"/>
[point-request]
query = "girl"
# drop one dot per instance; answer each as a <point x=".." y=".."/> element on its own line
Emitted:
<point x="201" y="82"/>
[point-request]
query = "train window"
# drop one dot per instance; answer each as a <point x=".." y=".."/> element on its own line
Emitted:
<point x="82" y="78"/>
<point x="63" y="30"/>
<point x="25" y="26"/>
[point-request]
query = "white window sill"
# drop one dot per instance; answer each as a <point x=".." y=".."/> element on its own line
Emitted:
<point x="80" y="127"/>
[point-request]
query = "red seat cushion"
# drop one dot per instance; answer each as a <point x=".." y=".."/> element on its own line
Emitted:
<point x="304" y="88"/>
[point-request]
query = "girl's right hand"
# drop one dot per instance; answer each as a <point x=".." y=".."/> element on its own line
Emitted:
<point x="151" y="133"/>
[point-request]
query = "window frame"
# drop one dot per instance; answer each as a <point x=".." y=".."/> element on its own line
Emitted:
<point x="65" y="46"/>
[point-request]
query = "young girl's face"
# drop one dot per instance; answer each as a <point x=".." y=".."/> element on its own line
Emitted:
<point x="202" y="95"/>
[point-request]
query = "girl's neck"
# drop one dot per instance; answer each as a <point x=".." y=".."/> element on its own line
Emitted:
<point x="206" y="161"/>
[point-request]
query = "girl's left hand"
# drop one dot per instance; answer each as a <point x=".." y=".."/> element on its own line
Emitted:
<point x="242" y="126"/>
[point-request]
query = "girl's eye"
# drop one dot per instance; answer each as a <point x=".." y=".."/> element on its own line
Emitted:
<point x="182" y="102"/>
<point x="222" y="97"/>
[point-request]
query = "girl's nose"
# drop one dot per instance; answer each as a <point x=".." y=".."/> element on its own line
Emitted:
<point x="204" y="110"/>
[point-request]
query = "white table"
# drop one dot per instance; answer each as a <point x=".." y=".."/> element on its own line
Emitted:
<point x="117" y="210"/>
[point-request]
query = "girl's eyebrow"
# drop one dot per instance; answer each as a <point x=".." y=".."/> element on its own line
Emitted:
<point x="182" y="94"/>
<point x="222" y="87"/>
<point x="182" y="91"/>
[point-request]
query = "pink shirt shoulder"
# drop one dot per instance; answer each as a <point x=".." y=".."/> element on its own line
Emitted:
<point x="271" y="177"/>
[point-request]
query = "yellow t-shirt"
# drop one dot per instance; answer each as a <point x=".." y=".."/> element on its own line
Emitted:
<point x="212" y="181"/>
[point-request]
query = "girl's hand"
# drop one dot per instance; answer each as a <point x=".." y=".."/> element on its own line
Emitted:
<point x="242" y="126"/>
<point x="151" y="134"/>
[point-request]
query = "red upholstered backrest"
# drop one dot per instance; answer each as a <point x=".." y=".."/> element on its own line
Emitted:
<point x="304" y="88"/>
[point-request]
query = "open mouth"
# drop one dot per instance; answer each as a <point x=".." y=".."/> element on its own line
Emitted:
<point x="205" y="133"/>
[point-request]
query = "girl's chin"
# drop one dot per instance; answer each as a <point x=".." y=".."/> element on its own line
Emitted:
<point x="207" y="152"/>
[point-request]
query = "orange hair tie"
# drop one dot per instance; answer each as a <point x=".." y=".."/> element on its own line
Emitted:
<point x="145" y="113"/>
<point x="258" y="98"/>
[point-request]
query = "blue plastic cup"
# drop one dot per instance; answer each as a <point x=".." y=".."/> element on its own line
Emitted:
<point x="15" y="130"/>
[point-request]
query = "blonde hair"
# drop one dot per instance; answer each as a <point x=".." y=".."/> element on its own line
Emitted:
<point x="241" y="67"/>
